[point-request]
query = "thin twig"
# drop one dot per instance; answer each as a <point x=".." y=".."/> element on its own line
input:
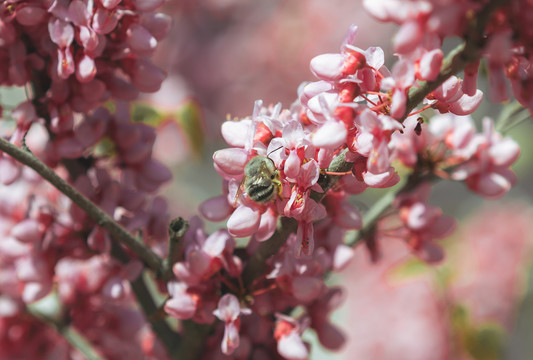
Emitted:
<point x="176" y="230"/>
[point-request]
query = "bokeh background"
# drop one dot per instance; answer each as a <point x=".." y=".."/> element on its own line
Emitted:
<point x="221" y="56"/>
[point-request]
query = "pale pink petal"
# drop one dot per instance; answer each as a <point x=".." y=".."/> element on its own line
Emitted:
<point x="216" y="209"/>
<point x="215" y="244"/>
<point x="342" y="257"/>
<point x="494" y="185"/>
<point x="313" y="89"/>
<point x="408" y="37"/>
<point x="291" y="347"/>
<point x="61" y="32"/>
<point x="327" y="66"/>
<point x="232" y="161"/>
<point x="398" y="104"/>
<point x="235" y="133"/>
<point x="467" y="104"/>
<point x="330" y="135"/>
<point x="110" y="4"/>
<point x="34" y="291"/>
<point x="85" y="69"/>
<point x="430" y="64"/>
<point x="504" y="152"/>
<point x="444" y="226"/>
<point x="231" y="339"/>
<point x="78" y="13"/>
<point x="267" y="226"/>
<point x="158" y="24"/>
<point x="10" y="170"/>
<point x="147" y="77"/>
<point x="181" y="307"/>
<point x="228" y="309"/>
<point x="353" y="186"/>
<point x="244" y="221"/>
<point x="292" y="165"/>
<point x="449" y="90"/>
<point x="375" y="57"/>
<point x="65" y="63"/>
<point x="28" y="231"/>
<point x="114" y="288"/>
<point x="383" y="180"/>
<point x="421" y="216"/>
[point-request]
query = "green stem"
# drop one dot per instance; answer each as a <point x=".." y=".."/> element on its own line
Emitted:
<point x="104" y="220"/>
<point x="75" y="339"/>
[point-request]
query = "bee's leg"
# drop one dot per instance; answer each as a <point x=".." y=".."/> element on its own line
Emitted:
<point x="335" y="173"/>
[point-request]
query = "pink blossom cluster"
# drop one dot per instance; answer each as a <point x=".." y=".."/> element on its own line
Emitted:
<point x="82" y="52"/>
<point x="272" y="169"/>
<point x="210" y="268"/>
<point x="425" y="23"/>
<point x="52" y="245"/>
<point x="75" y="55"/>
<point x="42" y="250"/>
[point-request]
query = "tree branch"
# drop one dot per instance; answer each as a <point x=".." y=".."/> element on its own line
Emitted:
<point x="104" y="220"/>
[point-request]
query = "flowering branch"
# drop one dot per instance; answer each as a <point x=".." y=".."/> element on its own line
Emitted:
<point x="373" y="215"/>
<point x="104" y="220"/>
<point x="456" y="61"/>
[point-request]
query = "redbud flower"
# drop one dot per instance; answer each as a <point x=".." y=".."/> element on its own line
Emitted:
<point x="229" y="311"/>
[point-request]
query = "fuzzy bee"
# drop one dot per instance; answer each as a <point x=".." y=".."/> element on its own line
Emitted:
<point x="261" y="180"/>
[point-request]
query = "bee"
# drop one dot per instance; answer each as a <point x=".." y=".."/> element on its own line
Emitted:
<point x="261" y="180"/>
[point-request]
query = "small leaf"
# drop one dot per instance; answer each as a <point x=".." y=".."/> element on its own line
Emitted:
<point x="190" y="119"/>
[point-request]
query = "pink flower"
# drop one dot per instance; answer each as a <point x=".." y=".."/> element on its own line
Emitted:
<point x="423" y="223"/>
<point x="401" y="79"/>
<point x="229" y="311"/>
<point x="204" y="256"/>
<point x="333" y="67"/>
<point x="372" y="139"/>
<point x="288" y="335"/>
<point x="487" y="172"/>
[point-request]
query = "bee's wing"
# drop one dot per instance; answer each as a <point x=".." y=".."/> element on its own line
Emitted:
<point x="239" y="193"/>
